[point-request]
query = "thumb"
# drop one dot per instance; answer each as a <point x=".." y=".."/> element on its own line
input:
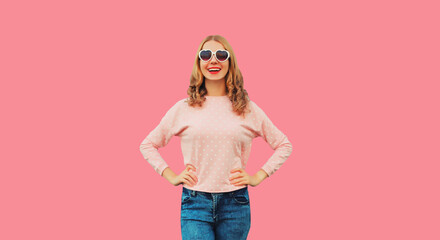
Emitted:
<point x="190" y="167"/>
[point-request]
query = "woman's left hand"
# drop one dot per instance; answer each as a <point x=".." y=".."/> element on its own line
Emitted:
<point x="243" y="178"/>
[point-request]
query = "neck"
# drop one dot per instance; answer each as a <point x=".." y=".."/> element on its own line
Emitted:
<point x="215" y="87"/>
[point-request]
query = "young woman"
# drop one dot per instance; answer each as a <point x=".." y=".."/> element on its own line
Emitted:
<point x="216" y="125"/>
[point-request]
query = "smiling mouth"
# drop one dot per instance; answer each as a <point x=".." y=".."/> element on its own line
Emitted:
<point x="214" y="70"/>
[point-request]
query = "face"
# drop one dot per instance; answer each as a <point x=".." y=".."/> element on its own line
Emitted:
<point x="214" y="63"/>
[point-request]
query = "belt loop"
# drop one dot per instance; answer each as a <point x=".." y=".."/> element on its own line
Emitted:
<point x="193" y="193"/>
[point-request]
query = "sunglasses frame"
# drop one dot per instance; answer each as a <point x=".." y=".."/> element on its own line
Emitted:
<point x="213" y="54"/>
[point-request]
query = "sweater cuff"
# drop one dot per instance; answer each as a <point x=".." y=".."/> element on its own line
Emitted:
<point x="267" y="170"/>
<point x="161" y="168"/>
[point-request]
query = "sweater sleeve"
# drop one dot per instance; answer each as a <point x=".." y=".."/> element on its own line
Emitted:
<point x="159" y="137"/>
<point x="275" y="138"/>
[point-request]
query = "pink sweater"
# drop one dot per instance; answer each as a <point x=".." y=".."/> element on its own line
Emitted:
<point x="215" y="140"/>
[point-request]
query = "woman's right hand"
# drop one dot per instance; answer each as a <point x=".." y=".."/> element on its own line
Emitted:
<point x="187" y="177"/>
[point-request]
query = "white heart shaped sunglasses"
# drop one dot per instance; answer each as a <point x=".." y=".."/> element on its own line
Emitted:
<point x="221" y="55"/>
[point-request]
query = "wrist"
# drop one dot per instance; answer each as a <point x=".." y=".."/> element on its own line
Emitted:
<point x="255" y="180"/>
<point x="169" y="175"/>
<point x="261" y="175"/>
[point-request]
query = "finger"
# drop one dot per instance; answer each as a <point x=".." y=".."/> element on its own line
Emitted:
<point x="190" y="167"/>
<point x="236" y="170"/>
<point x="237" y="180"/>
<point x="189" y="179"/>
<point x="235" y="177"/>
<point x="193" y="176"/>
<point x="186" y="182"/>
<point x="240" y="183"/>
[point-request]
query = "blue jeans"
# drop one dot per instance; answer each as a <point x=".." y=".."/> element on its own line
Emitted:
<point x="211" y="216"/>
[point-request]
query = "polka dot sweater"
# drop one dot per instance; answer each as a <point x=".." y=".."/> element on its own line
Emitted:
<point x="215" y="140"/>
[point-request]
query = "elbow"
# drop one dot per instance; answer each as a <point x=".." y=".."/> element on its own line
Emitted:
<point x="146" y="145"/>
<point x="289" y="148"/>
<point x="286" y="147"/>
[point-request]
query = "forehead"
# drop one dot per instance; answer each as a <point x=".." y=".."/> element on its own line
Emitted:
<point x="213" y="45"/>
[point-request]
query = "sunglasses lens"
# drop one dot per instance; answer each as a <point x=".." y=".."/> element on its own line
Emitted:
<point x="222" y="55"/>
<point x="205" y="55"/>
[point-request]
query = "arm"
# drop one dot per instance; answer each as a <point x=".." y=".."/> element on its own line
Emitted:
<point x="158" y="138"/>
<point x="276" y="140"/>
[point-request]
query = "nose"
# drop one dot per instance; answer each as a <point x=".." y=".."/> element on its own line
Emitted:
<point x="213" y="59"/>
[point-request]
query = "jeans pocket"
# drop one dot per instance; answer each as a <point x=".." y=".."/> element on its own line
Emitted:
<point x="186" y="195"/>
<point x="241" y="197"/>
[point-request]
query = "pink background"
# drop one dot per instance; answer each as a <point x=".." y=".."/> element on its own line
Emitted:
<point x="353" y="84"/>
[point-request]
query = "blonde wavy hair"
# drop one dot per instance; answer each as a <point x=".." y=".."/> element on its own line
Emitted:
<point x="234" y="81"/>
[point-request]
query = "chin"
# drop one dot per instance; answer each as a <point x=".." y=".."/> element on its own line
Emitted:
<point x="216" y="79"/>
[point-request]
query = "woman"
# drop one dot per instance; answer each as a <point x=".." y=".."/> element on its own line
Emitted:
<point x="216" y="124"/>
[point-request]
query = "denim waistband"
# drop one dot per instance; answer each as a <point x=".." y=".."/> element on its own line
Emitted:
<point x="195" y="192"/>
